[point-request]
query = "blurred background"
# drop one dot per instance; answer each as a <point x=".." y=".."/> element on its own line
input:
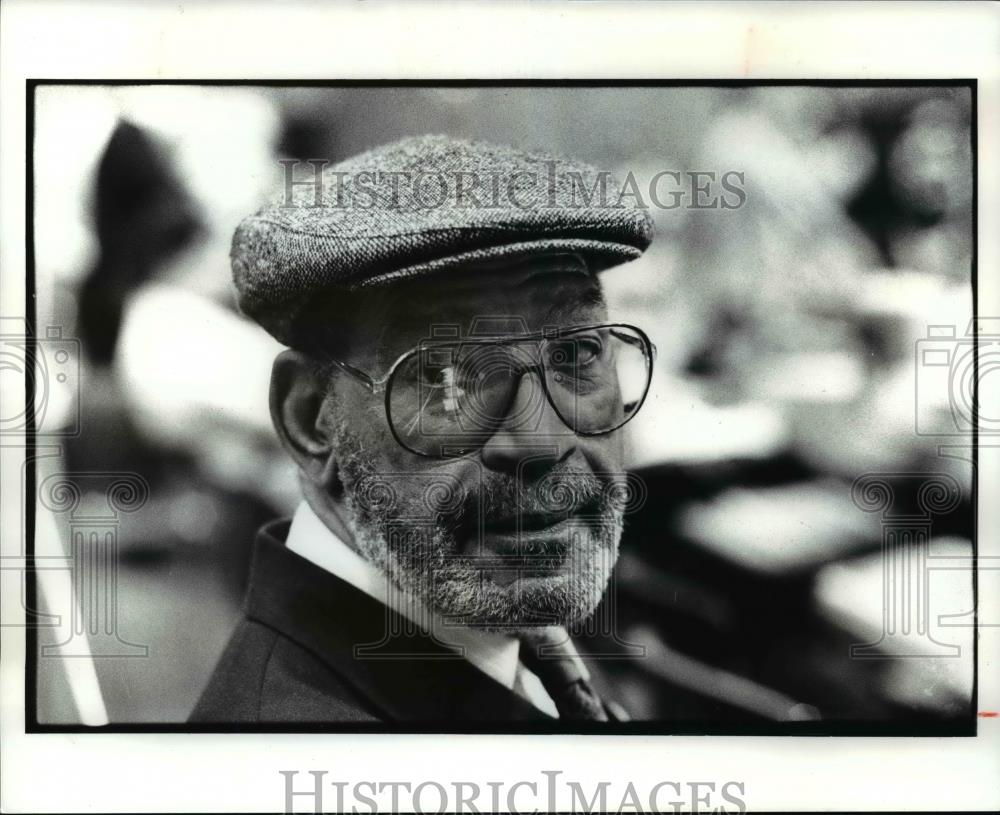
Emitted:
<point x="789" y="334"/>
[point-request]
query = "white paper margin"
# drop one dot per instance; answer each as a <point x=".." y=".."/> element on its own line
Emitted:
<point x="239" y="772"/>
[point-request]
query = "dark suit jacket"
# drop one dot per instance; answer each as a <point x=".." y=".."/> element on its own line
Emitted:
<point x="294" y="657"/>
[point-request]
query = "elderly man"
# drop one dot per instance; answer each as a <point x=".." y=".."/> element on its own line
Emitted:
<point x="453" y="396"/>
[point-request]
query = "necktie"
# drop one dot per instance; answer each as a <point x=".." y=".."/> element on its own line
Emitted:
<point x="549" y="653"/>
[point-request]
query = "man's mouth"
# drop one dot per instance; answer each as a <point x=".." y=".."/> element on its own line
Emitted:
<point x="524" y="522"/>
<point x="544" y="538"/>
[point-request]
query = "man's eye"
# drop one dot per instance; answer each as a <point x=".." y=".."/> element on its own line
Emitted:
<point x="437" y="376"/>
<point x="575" y="353"/>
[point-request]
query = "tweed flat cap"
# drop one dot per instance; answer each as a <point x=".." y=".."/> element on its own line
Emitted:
<point x="420" y="206"/>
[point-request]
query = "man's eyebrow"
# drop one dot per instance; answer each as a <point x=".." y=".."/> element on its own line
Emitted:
<point x="406" y="322"/>
<point x="565" y="308"/>
<point x="408" y="314"/>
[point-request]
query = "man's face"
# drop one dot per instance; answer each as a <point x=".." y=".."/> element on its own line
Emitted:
<point x="523" y="529"/>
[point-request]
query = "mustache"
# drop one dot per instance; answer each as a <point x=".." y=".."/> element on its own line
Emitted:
<point x="497" y="498"/>
<point x="501" y="497"/>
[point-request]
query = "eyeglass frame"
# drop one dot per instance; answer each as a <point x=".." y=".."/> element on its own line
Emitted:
<point x="381" y="385"/>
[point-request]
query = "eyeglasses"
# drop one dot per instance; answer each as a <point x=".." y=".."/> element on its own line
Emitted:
<point x="447" y="398"/>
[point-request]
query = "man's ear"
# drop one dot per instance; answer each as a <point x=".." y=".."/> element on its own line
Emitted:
<point x="298" y="400"/>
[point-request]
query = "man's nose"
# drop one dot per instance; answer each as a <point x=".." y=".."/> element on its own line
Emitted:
<point x="532" y="436"/>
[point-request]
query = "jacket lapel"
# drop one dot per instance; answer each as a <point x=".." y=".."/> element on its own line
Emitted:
<point x="404" y="673"/>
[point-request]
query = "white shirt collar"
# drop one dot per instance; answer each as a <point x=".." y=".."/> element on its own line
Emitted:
<point x="494" y="654"/>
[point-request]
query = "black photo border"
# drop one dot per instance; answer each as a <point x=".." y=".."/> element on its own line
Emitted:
<point x="967" y="728"/>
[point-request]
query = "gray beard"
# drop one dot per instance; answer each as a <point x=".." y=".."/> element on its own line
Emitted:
<point x="419" y="539"/>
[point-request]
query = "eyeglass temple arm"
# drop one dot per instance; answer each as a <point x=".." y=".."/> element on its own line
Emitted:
<point x="359" y="375"/>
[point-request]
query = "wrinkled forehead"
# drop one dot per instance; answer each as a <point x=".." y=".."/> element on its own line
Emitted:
<point x="490" y="298"/>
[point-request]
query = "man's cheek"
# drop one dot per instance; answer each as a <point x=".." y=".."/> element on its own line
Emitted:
<point x="367" y="422"/>
<point x="390" y="454"/>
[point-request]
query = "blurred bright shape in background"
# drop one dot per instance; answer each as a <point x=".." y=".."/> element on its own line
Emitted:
<point x="190" y="367"/>
<point x="676" y="424"/>
<point x="196" y="377"/>
<point x="818" y="376"/>
<point x="777" y="530"/>
<point x="221" y="141"/>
